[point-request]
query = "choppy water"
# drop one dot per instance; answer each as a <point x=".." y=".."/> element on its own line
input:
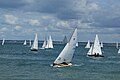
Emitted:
<point x="17" y="62"/>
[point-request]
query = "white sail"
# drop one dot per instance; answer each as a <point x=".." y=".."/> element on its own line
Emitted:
<point x="96" y="46"/>
<point x="117" y="45"/>
<point x="88" y="44"/>
<point x="35" y="43"/>
<point x="24" y="43"/>
<point x="3" y="41"/>
<point x="49" y="43"/>
<point x="90" y="50"/>
<point x="119" y="51"/>
<point x="44" y="44"/>
<point x="66" y="54"/>
<point x="101" y="45"/>
<point x="77" y="44"/>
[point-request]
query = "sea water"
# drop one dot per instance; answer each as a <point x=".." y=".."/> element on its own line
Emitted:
<point x="17" y="62"/>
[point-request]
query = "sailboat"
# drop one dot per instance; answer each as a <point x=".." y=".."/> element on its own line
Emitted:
<point x="95" y="49"/>
<point x="77" y="44"/>
<point x="117" y="45"/>
<point x="49" y="44"/>
<point x="35" y="44"/>
<point x="88" y="44"/>
<point x="65" y="40"/>
<point x="65" y="57"/>
<point x="3" y="41"/>
<point x="101" y="45"/>
<point x="119" y="51"/>
<point x="24" y="43"/>
<point x="44" y="44"/>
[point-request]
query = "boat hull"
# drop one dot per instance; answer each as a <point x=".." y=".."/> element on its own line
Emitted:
<point x="34" y="50"/>
<point x="62" y="65"/>
<point x="96" y="55"/>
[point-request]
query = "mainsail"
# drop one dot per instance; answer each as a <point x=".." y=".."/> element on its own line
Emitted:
<point x="88" y="44"/>
<point x="35" y="44"/>
<point x="3" y="41"/>
<point x="24" y="43"/>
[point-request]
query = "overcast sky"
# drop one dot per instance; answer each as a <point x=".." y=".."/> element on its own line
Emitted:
<point x="20" y="19"/>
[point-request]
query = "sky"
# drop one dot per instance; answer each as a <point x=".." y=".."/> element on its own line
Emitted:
<point x="21" y="19"/>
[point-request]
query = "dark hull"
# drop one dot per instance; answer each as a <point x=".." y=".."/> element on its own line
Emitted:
<point x="62" y="65"/>
<point x="34" y="50"/>
<point x="96" y="55"/>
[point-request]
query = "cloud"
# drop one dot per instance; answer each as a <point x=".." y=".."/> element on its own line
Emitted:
<point x="10" y="19"/>
<point x="34" y="22"/>
<point x="18" y="27"/>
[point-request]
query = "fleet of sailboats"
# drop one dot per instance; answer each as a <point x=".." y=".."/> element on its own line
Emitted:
<point x="65" y="57"/>
<point x="48" y="44"/>
<point x="35" y="44"/>
<point x="95" y="49"/>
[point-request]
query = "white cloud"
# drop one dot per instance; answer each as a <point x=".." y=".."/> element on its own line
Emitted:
<point x="10" y="19"/>
<point x="93" y="6"/>
<point x="18" y="27"/>
<point x="62" y="24"/>
<point x="34" y="22"/>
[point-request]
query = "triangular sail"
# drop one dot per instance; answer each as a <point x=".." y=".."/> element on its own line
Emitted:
<point x="50" y="42"/>
<point x="90" y="50"/>
<point x="88" y="44"/>
<point x="44" y="44"/>
<point x="101" y="45"/>
<point x="77" y="44"/>
<point x="35" y="43"/>
<point x="24" y="43"/>
<point x="3" y="41"/>
<point x="65" y="40"/>
<point x="117" y="45"/>
<point x="66" y="54"/>
<point x="96" y="46"/>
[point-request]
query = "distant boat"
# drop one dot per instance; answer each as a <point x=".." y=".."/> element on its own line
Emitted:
<point x="88" y="44"/>
<point x="49" y="44"/>
<point x="24" y="43"/>
<point x="77" y="44"/>
<point x="117" y="45"/>
<point x="119" y="51"/>
<point x="95" y="49"/>
<point x="44" y="44"/>
<point x="101" y="45"/>
<point x="65" y="57"/>
<point x="3" y="41"/>
<point x="65" y="40"/>
<point x="35" y="44"/>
